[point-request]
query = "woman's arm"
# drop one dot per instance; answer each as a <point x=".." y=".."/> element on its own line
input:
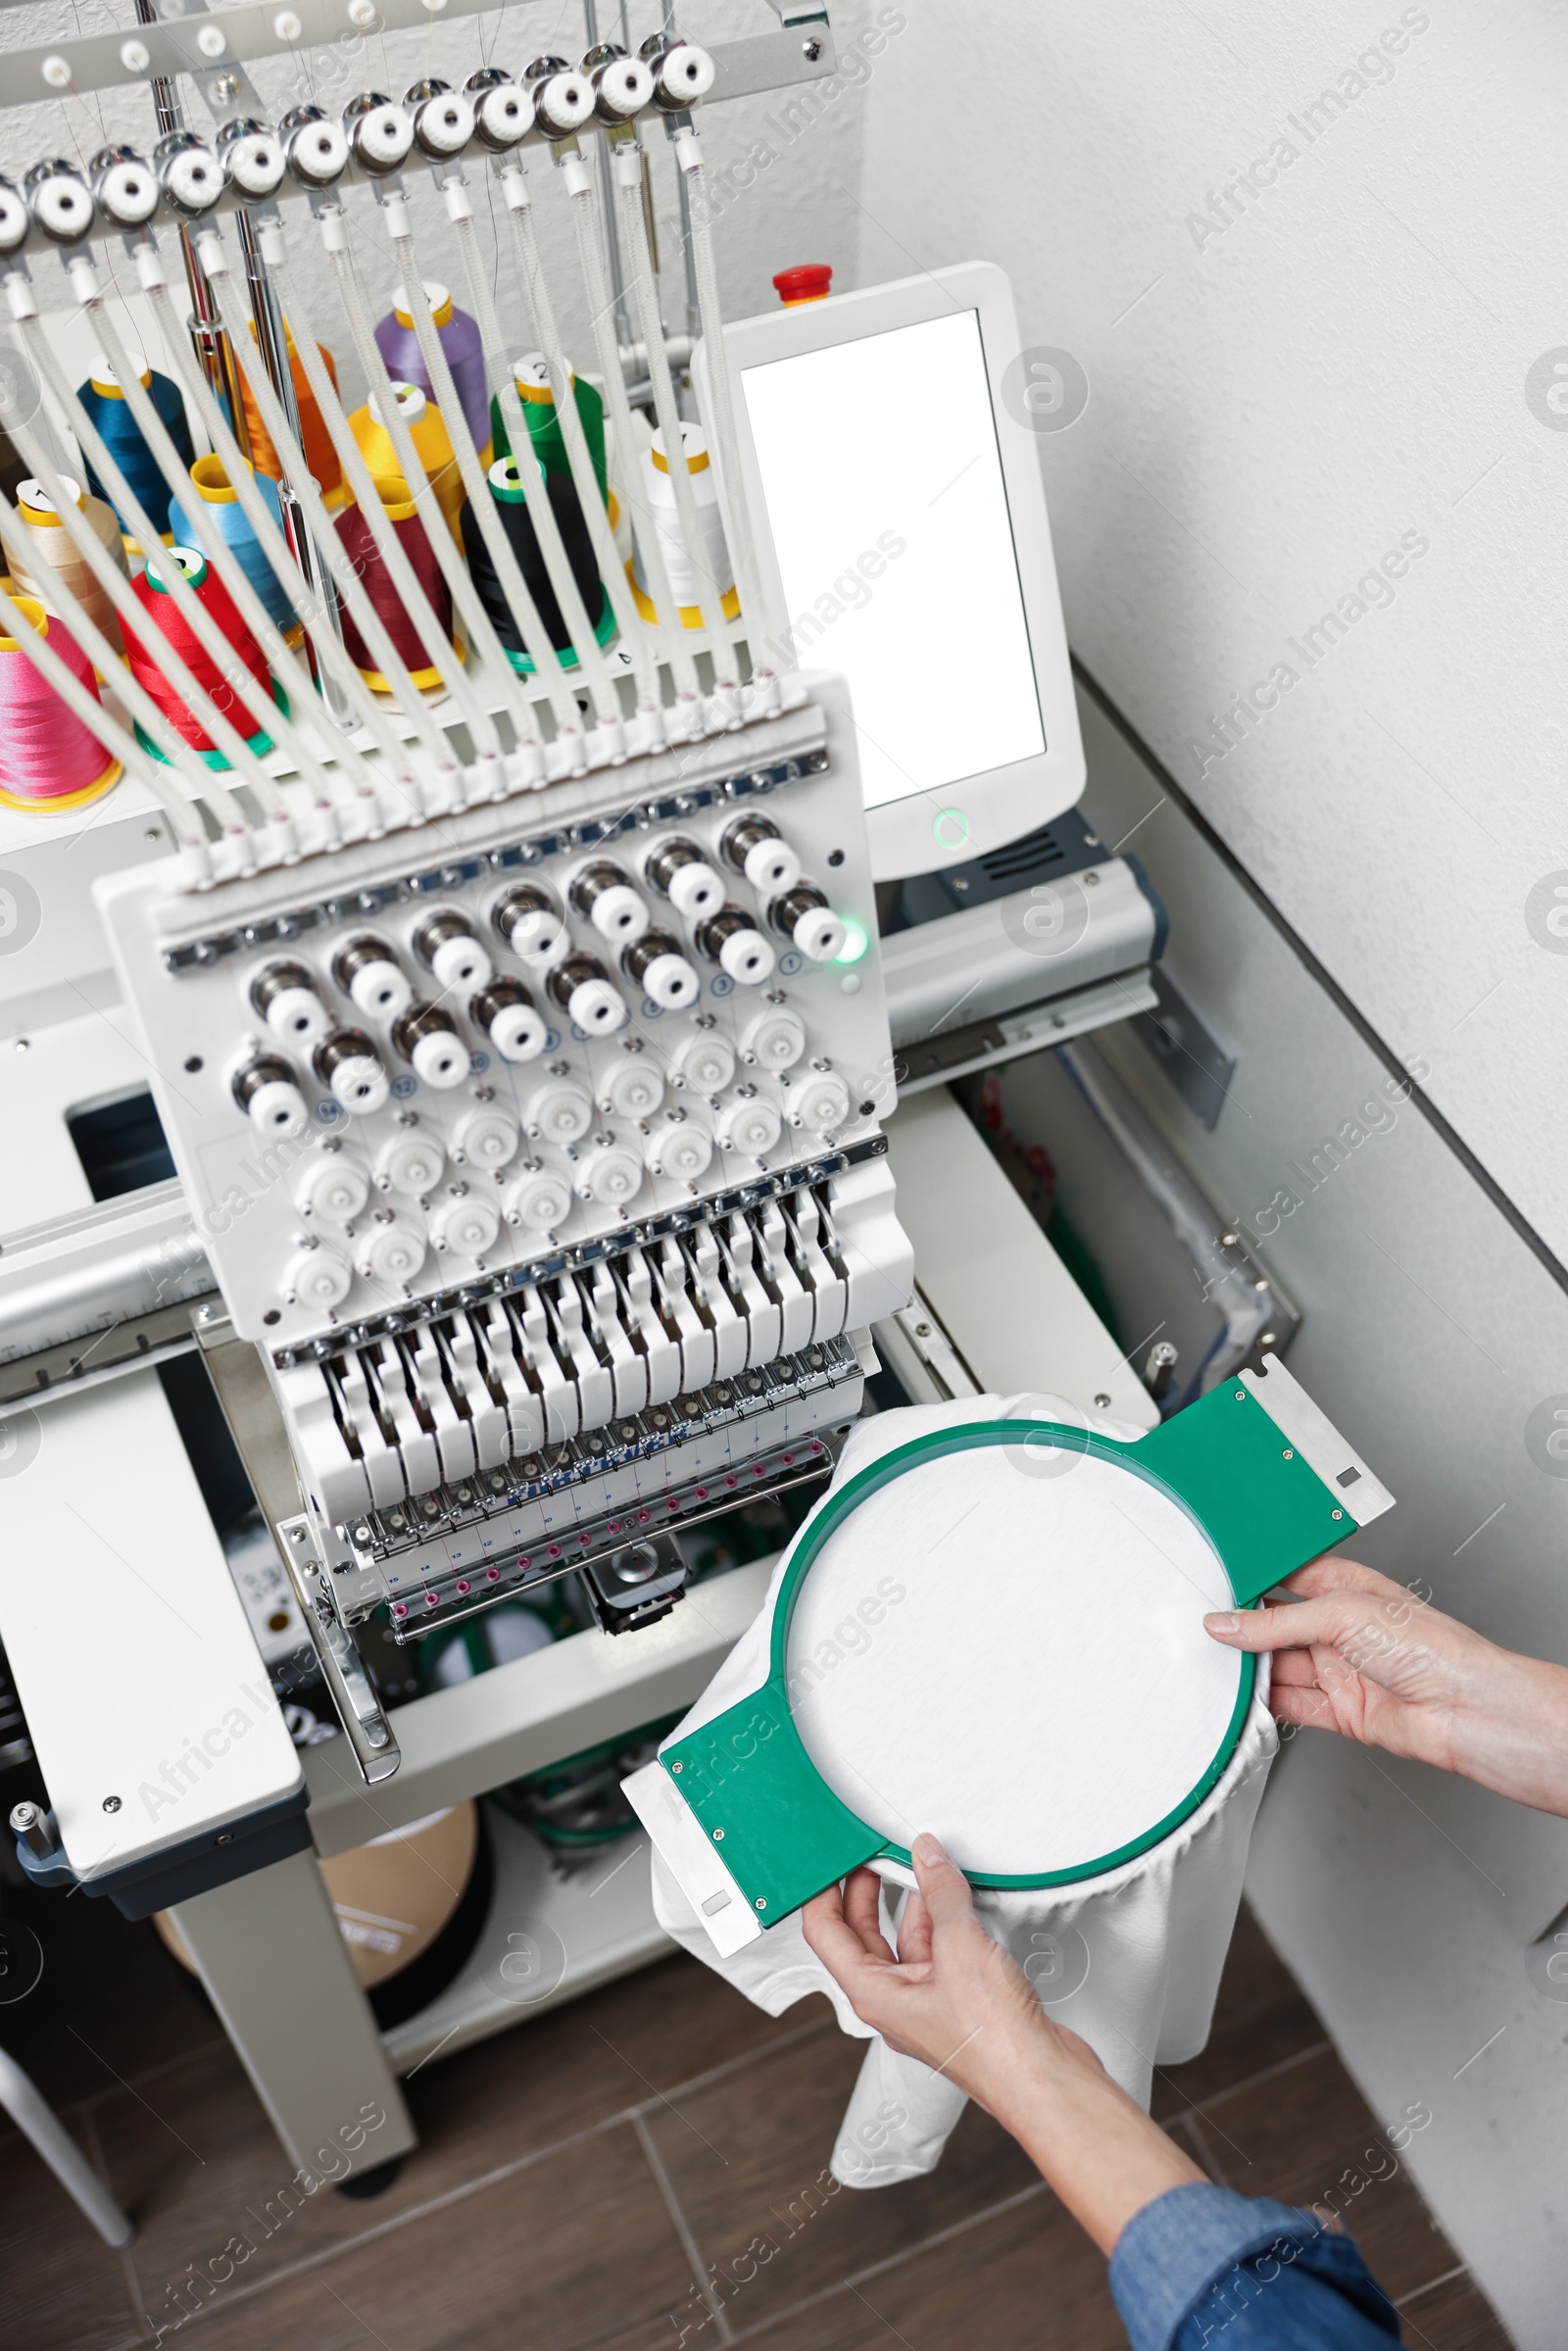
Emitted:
<point x="956" y="1999"/>
<point x="1359" y="1654"/>
<point x="1192" y="2261"/>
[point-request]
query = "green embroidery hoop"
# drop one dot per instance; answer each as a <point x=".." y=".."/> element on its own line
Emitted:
<point x="1257" y="1468"/>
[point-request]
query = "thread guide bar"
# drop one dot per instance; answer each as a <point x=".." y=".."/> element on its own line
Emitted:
<point x="745" y="68"/>
<point x="367" y="901"/>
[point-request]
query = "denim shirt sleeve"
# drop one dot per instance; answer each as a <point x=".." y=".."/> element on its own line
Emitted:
<point x="1202" y="2268"/>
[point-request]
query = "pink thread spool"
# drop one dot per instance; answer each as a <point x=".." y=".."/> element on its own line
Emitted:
<point x="49" y="761"/>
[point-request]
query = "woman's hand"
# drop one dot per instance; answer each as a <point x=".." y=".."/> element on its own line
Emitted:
<point x="1359" y="1654"/>
<point x="956" y="2000"/>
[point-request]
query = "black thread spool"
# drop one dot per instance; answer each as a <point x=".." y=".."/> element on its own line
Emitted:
<point x="14" y="470"/>
<point x="507" y="491"/>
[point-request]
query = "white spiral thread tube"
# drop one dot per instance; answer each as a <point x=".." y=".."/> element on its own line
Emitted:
<point x="589" y="229"/>
<point x="634" y="635"/>
<point x="453" y="571"/>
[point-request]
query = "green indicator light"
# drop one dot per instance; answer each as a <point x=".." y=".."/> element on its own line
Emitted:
<point x="855" y="940"/>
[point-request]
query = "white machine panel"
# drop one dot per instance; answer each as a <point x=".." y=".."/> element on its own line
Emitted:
<point x="445" y="1162"/>
<point x="147" y="1700"/>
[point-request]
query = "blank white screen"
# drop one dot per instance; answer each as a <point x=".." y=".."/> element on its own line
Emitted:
<point x="890" y="441"/>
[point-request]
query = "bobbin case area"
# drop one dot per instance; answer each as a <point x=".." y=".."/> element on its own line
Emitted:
<point x="747" y="1822"/>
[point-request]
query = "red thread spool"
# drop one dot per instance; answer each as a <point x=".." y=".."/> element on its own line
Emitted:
<point x="164" y="618"/>
<point x="49" y="760"/>
<point x="355" y="532"/>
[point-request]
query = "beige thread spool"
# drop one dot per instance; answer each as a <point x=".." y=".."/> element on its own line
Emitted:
<point x="36" y="511"/>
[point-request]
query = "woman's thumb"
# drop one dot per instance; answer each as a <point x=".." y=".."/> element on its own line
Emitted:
<point x="943" y="1884"/>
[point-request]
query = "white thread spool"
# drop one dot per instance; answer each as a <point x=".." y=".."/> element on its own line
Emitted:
<point x="659" y="497"/>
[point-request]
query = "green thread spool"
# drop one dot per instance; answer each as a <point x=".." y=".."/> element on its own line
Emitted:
<point x="531" y="375"/>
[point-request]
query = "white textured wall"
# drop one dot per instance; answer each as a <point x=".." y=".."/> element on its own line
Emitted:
<point x="1403" y="1899"/>
<point x="1275" y="403"/>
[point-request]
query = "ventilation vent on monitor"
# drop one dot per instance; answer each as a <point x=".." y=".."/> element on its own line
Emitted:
<point x="1034" y="853"/>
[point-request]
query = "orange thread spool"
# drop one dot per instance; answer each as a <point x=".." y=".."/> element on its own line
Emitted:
<point x="315" y="439"/>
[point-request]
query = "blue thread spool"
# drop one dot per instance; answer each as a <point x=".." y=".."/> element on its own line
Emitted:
<point x="106" y="404"/>
<point x="213" y="495"/>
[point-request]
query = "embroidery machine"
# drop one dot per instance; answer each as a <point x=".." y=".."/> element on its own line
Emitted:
<point x="522" y="1045"/>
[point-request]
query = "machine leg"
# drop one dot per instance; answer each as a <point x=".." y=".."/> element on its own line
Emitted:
<point x="269" y="1952"/>
<point x="38" y="2121"/>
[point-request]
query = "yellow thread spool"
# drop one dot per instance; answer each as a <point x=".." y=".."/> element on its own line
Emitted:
<point x="431" y="441"/>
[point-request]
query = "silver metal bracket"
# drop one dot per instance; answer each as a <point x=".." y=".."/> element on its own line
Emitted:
<point x="1186" y="1049"/>
<point x="921" y="1355"/>
<point x="791" y="13"/>
<point x="368" y="1732"/>
<point x="239" y="1378"/>
<point x="162" y="50"/>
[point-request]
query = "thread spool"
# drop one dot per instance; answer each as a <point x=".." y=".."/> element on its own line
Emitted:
<point x="106" y="404"/>
<point x="315" y="439"/>
<point x="164" y="618"/>
<point x="431" y="441"/>
<point x="354" y="530"/>
<point x="536" y="395"/>
<point x="14" y="469"/>
<point x="212" y="493"/>
<point x="36" y="509"/>
<point x="506" y="488"/>
<point x="49" y="761"/>
<point x="462" y="347"/>
<point x="659" y="497"/>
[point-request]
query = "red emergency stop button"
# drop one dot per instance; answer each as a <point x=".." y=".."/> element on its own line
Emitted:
<point x="809" y="282"/>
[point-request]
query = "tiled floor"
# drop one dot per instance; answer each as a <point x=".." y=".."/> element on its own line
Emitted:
<point x="640" y="2170"/>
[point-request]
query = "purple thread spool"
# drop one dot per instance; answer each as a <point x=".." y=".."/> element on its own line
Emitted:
<point x="460" y="341"/>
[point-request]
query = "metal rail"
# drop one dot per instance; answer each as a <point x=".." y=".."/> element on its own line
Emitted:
<point x="98" y="1292"/>
<point x="197" y="43"/>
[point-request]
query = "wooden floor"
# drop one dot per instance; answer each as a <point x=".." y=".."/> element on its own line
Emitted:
<point x="641" y="2170"/>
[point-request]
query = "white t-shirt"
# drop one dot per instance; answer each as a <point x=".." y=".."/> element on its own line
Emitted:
<point x="967" y="1618"/>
